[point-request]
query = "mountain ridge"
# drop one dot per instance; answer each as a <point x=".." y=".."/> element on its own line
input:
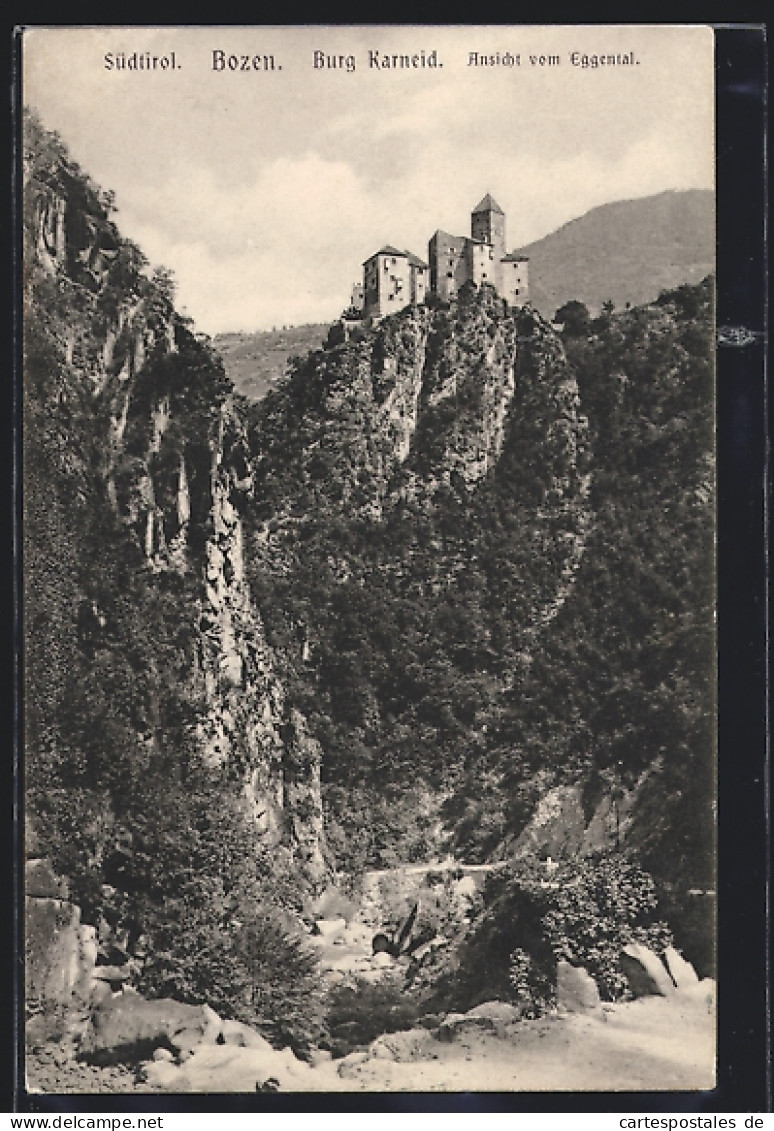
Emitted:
<point x="626" y="251"/>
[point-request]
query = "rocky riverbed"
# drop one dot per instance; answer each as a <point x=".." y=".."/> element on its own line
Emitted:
<point x="662" y="1041"/>
<point x="652" y="1044"/>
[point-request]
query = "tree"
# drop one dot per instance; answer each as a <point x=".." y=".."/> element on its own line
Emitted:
<point x="574" y="319"/>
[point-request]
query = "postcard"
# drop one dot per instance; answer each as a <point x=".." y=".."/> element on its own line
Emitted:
<point x="369" y="585"/>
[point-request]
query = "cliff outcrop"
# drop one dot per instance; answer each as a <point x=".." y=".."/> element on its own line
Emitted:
<point x="130" y="412"/>
<point x="419" y="519"/>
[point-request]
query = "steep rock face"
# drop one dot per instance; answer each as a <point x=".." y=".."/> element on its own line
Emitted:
<point x="420" y="514"/>
<point x="166" y="452"/>
<point x="470" y="378"/>
<point x="561" y="827"/>
<point x="244" y="700"/>
<point x="553" y="428"/>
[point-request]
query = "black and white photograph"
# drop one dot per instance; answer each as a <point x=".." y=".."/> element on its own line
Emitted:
<point x="369" y="585"/>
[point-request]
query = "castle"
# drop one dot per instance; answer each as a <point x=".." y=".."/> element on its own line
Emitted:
<point x="393" y="278"/>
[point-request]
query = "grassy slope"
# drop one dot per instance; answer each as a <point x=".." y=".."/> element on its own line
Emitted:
<point x="255" y="362"/>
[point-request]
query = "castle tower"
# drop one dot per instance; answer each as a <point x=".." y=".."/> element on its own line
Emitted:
<point x="487" y="225"/>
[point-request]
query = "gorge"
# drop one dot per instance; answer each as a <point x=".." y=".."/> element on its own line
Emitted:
<point x="444" y="593"/>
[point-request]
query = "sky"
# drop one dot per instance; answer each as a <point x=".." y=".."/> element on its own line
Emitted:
<point x="264" y="190"/>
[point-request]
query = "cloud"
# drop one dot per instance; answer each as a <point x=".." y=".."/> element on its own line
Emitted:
<point x="264" y="194"/>
<point x="284" y="249"/>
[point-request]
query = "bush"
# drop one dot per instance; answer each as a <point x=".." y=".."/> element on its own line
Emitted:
<point x="213" y="903"/>
<point x="586" y="913"/>
<point x="284" y="993"/>
<point x="533" y="990"/>
<point x="597" y="908"/>
<point x="359" y="1011"/>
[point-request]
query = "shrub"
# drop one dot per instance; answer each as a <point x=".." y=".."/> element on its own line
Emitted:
<point x="597" y="907"/>
<point x="586" y="914"/>
<point x="213" y="903"/>
<point x="359" y="1011"/>
<point x="284" y="991"/>
<point x="533" y="990"/>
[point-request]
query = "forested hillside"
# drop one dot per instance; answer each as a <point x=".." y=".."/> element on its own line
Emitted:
<point x="487" y="555"/>
<point x="447" y="588"/>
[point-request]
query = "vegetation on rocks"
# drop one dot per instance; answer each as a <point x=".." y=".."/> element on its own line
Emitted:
<point x="161" y="849"/>
<point x="584" y="912"/>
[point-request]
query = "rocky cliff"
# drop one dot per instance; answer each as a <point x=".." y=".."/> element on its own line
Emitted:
<point x="470" y="538"/>
<point x="420" y="516"/>
<point x="155" y="440"/>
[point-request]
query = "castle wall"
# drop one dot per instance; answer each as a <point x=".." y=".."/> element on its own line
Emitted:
<point x="515" y="280"/>
<point x="357" y="298"/>
<point x="387" y="284"/>
<point x="482" y="266"/>
<point x="420" y="279"/>
<point x="448" y="264"/>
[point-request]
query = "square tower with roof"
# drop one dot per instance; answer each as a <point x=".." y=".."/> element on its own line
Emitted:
<point x="487" y="226"/>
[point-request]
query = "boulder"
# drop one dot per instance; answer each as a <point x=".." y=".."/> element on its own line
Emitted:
<point x="89" y="946"/>
<point x="454" y="1024"/>
<point x="349" y="1066"/>
<point x="682" y="972"/>
<point x="54" y="966"/>
<point x="126" y="1027"/>
<point x="576" y="990"/>
<point x="100" y="991"/>
<point x="202" y="1029"/>
<point x="243" y="1036"/>
<point x="381" y="960"/>
<point x="329" y="928"/>
<point x="115" y="976"/>
<point x="407" y="1045"/>
<point x="42" y="882"/>
<point x="496" y="1011"/>
<point x="645" y="971"/>
<point x="465" y="888"/>
<point x="227" y="1068"/>
<point x="496" y="1017"/>
<point x="703" y="993"/>
<point x="319" y="1056"/>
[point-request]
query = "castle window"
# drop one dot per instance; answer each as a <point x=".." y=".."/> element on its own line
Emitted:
<point x="449" y="274"/>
